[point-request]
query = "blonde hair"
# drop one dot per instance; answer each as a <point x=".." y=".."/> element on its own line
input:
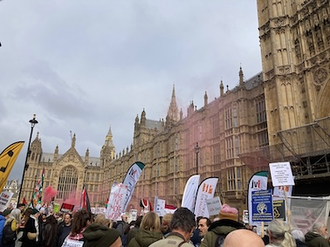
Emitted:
<point x="280" y="233"/>
<point x="100" y="219"/>
<point x="150" y="222"/>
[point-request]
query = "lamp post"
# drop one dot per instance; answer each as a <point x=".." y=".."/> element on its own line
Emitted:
<point x="33" y="122"/>
<point x="197" y="148"/>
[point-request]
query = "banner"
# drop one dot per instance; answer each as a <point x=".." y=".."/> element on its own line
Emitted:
<point x="7" y="161"/>
<point x="283" y="191"/>
<point x="306" y="211"/>
<point x="258" y="181"/>
<point x="5" y="198"/>
<point x="190" y="193"/>
<point x="205" y="191"/>
<point x="116" y="202"/>
<point x="169" y="209"/>
<point x="132" y="176"/>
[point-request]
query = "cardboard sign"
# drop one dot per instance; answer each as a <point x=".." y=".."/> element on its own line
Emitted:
<point x="66" y="207"/>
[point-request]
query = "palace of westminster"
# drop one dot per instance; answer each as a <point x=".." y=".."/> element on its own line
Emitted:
<point x="281" y="114"/>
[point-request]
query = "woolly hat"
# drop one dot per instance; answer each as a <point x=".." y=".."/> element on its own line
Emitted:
<point x="98" y="235"/>
<point x="227" y="212"/>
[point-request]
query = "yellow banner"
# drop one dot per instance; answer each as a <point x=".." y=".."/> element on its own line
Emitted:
<point x="7" y="161"/>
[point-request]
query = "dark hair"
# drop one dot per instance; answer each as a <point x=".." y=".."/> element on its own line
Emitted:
<point x="79" y="221"/>
<point x="208" y="221"/>
<point x="183" y="219"/>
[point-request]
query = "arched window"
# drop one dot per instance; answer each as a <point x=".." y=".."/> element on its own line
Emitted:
<point x="67" y="183"/>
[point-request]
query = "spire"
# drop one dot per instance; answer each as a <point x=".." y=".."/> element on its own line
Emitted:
<point x="241" y="75"/>
<point x="108" y="139"/>
<point x="221" y="88"/>
<point x="205" y="99"/>
<point x="173" y="111"/>
<point x="73" y="141"/>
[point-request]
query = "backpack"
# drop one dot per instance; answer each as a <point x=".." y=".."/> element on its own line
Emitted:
<point x="8" y="235"/>
<point x="220" y="240"/>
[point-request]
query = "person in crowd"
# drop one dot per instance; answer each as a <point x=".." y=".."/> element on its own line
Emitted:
<point x="196" y="238"/>
<point x="316" y="236"/>
<point x="97" y="235"/>
<point x="299" y="237"/>
<point x="21" y="207"/>
<point x="133" y="231"/>
<point x="100" y="219"/>
<point x="63" y="229"/>
<point x="81" y="219"/>
<point x="218" y="230"/>
<point x="49" y="232"/>
<point x="182" y="226"/>
<point x="243" y="238"/>
<point x="203" y="226"/>
<point x="14" y="220"/>
<point x="121" y="228"/>
<point x="3" y="217"/>
<point x="279" y="233"/>
<point x="165" y="225"/>
<point x="30" y="232"/>
<point x="149" y="231"/>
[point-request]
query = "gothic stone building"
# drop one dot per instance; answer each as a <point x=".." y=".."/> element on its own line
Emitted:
<point x="281" y="114"/>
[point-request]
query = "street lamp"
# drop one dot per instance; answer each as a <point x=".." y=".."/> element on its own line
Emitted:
<point x="33" y="122"/>
<point x="197" y="148"/>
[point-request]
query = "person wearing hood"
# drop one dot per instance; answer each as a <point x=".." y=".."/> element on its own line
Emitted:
<point x="149" y="231"/>
<point x="316" y="236"/>
<point x="96" y="235"/>
<point x="3" y="217"/>
<point x="218" y="230"/>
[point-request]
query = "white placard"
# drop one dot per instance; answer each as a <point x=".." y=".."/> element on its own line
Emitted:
<point x="213" y="205"/>
<point x="281" y="174"/>
<point x="5" y="198"/>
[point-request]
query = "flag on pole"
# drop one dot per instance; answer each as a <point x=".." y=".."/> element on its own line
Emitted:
<point x="131" y="178"/>
<point x="37" y="194"/>
<point x="7" y="161"/>
<point x="258" y="181"/>
<point x="205" y="191"/>
<point x="190" y="193"/>
<point x="84" y="200"/>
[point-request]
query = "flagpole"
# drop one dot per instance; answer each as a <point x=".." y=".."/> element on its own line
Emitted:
<point x="33" y="122"/>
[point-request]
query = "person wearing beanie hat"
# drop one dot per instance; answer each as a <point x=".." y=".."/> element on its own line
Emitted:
<point x="97" y="235"/>
<point x="227" y="212"/>
<point x="219" y="229"/>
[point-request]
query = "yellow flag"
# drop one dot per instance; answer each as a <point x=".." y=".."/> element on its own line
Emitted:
<point x="7" y="161"/>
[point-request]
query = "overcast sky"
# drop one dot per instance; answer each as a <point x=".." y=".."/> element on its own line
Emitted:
<point x="83" y="66"/>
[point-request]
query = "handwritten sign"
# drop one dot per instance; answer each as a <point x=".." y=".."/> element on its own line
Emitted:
<point x="117" y="200"/>
<point x="213" y="205"/>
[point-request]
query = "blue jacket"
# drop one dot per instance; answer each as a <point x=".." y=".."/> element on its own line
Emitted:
<point x="2" y="224"/>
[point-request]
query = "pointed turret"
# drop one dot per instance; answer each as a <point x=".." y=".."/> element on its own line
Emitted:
<point x="143" y="118"/>
<point x="108" y="149"/>
<point x="205" y="99"/>
<point x="73" y="141"/>
<point x="221" y="88"/>
<point x="241" y="76"/>
<point x="173" y="111"/>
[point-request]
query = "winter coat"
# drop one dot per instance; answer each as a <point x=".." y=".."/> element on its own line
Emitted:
<point x="62" y="232"/>
<point x="300" y="243"/>
<point x="220" y="227"/>
<point x="2" y="225"/>
<point x="30" y="226"/>
<point x="315" y="240"/>
<point x="173" y="239"/>
<point x="144" y="238"/>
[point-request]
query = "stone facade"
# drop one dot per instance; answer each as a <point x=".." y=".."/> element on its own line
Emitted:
<point x="295" y="49"/>
<point x="281" y="114"/>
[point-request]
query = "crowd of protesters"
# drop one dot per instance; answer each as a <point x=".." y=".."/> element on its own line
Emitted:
<point x="43" y="228"/>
